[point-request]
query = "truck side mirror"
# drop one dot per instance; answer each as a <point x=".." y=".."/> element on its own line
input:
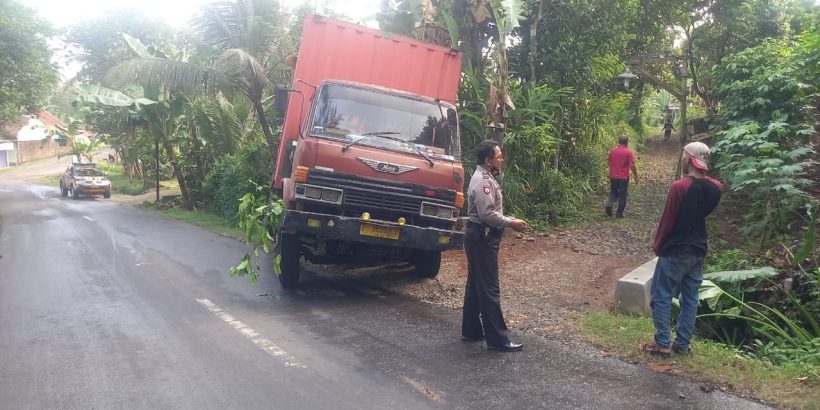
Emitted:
<point x="282" y="94"/>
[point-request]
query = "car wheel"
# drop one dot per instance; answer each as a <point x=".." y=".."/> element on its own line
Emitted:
<point x="290" y="255"/>
<point x="107" y="194"/>
<point x="74" y="193"/>
<point x="427" y="263"/>
<point x="63" y="189"/>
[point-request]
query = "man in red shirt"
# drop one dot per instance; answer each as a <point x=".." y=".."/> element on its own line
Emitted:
<point x="621" y="160"/>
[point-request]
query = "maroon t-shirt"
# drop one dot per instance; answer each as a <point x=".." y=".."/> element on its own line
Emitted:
<point x="683" y="224"/>
<point x="621" y="159"/>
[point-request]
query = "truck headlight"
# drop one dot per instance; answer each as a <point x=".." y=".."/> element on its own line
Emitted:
<point x="331" y="195"/>
<point x="313" y="192"/>
<point x="318" y="193"/>
<point x="438" y="211"/>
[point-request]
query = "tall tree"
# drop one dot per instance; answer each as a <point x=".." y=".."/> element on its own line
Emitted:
<point x="97" y="44"/>
<point x="27" y="75"/>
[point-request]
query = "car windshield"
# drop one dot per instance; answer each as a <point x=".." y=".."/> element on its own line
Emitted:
<point x="380" y="119"/>
<point x="87" y="172"/>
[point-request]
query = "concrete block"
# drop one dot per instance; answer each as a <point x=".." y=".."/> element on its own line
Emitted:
<point x="632" y="291"/>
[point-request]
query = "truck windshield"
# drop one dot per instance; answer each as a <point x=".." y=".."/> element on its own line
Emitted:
<point x="351" y="114"/>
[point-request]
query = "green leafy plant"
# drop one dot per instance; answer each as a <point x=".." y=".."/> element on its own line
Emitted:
<point x="258" y="218"/>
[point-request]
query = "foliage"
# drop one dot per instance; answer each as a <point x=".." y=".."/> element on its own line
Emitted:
<point x="100" y="46"/>
<point x="235" y="175"/>
<point x="28" y="75"/>
<point x="258" y="218"/>
<point x="764" y="150"/>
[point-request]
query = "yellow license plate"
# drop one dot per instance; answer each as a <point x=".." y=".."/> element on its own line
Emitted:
<point x="378" y="231"/>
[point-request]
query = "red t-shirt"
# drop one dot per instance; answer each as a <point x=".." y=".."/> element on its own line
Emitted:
<point x="621" y="159"/>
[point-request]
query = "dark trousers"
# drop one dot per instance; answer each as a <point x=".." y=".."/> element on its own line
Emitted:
<point x="482" y="295"/>
<point x="617" y="192"/>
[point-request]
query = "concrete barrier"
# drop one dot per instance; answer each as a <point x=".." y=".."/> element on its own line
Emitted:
<point x="632" y="291"/>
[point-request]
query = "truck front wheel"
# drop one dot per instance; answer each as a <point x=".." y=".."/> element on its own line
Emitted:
<point x="290" y="254"/>
<point x="427" y="263"/>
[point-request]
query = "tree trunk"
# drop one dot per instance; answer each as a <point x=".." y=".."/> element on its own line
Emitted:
<point x="263" y="121"/>
<point x="197" y="154"/>
<point x="183" y="187"/>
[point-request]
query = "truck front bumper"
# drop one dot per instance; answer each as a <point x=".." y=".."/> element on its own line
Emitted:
<point x="375" y="232"/>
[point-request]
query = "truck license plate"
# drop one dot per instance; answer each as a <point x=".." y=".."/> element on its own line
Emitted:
<point x="378" y="231"/>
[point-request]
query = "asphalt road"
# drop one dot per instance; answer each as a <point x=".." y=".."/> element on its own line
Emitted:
<point x="105" y="306"/>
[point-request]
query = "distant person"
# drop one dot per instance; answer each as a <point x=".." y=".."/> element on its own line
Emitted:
<point x="667" y="129"/>
<point x="680" y="243"/>
<point x="482" y="318"/>
<point x="621" y="160"/>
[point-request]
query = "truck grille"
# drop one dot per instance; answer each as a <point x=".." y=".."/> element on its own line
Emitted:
<point x="382" y="199"/>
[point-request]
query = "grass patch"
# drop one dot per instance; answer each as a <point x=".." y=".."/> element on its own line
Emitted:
<point x="202" y="219"/>
<point x="120" y="183"/>
<point x="53" y="180"/>
<point x="791" y="386"/>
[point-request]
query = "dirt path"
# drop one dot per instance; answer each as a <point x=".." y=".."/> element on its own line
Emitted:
<point x="545" y="276"/>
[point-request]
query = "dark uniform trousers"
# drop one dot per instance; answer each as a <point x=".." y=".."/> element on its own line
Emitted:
<point x="482" y="295"/>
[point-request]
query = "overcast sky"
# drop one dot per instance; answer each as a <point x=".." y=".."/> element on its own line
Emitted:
<point x="175" y="12"/>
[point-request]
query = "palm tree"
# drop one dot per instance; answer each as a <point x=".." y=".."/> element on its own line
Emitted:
<point x="248" y="45"/>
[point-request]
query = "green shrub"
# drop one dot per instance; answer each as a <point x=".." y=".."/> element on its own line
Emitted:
<point x="233" y="176"/>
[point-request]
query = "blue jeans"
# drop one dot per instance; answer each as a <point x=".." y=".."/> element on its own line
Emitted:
<point x="683" y="272"/>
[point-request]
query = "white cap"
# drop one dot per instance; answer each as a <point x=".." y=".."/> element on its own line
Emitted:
<point x="698" y="154"/>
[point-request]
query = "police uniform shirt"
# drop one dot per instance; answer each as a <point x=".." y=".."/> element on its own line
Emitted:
<point x="484" y="200"/>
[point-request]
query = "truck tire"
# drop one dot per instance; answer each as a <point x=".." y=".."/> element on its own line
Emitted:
<point x="74" y="193"/>
<point x="107" y="194"/>
<point x="63" y="189"/>
<point x="290" y="255"/>
<point x="427" y="263"/>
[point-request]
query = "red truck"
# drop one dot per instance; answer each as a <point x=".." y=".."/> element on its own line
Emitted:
<point x="369" y="160"/>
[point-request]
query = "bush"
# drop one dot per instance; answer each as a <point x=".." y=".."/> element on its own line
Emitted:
<point x="550" y="198"/>
<point x="230" y="179"/>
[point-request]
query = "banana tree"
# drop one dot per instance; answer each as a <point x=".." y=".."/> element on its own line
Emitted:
<point x="161" y="112"/>
<point x="82" y="150"/>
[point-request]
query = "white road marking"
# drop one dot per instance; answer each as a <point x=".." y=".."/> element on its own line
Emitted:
<point x="88" y="218"/>
<point x="265" y="344"/>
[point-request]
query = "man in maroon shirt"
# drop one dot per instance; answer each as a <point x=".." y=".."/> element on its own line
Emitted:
<point x="621" y="160"/>
<point x="680" y="243"/>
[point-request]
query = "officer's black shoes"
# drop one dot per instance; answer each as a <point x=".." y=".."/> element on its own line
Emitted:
<point x="608" y="210"/>
<point x="509" y="347"/>
<point x="472" y="338"/>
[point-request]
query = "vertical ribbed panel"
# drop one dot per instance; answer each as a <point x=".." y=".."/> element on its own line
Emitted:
<point x="336" y="50"/>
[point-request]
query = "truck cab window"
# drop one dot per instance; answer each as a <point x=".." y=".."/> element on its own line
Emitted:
<point x="347" y="112"/>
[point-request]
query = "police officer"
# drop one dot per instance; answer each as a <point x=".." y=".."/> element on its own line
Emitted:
<point x="482" y="318"/>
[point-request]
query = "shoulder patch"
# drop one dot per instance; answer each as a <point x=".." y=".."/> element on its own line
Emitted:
<point x="487" y="189"/>
<point x="485" y="175"/>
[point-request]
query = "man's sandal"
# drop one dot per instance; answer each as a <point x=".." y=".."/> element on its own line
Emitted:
<point x="682" y="351"/>
<point x="655" y="350"/>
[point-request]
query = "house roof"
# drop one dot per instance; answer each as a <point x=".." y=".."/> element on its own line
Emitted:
<point x="9" y="131"/>
<point x="49" y="119"/>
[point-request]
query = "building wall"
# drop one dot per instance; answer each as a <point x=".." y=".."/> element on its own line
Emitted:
<point x="33" y="150"/>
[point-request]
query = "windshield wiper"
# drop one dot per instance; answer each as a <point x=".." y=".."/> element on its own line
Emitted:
<point x="386" y="135"/>
<point x="420" y="152"/>
<point x="373" y="134"/>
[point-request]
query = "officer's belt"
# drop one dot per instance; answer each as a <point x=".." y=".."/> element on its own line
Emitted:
<point x="482" y="227"/>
